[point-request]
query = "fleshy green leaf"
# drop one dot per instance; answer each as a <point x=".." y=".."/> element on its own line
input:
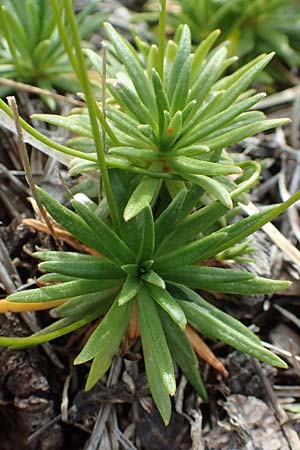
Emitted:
<point x="153" y="278"/>
<point x="132" y="103"/>
<point x="87" y="303"/>
<point x="143" y="195"/>
<point x="106" y="338"/>
<point x="112" y="246"/>
<point x="70" y="221"/>
<point x="201" y="52"/>
<point x="90" y="267"/>
<point x="183" y="353"/>
<point x="168" y="218"/>
<point x="188" y="254"/>
<point x="75" y="123"/>
<point x="147" y="242"/>
<point x="240" y="81"/>
<point x="129" y="289"/>
<point x="153" y="340"/>
<point x="238" y="134"/>
<point x="225" y="280"/>
<point x="64" y="326"/>
<point x="195" y="166"/>
<point x="208" y="76"/>
<point x="134" y="68"/>
<point x="210" y="326"/>
<point x="168" y="304"/>
<point x="212" y="187"/>
<point x="184" y="293"/>
<point x="60" y="291"/>
<point x="161" y="99"/>
<point x="183" y="53"/>
<point x="215" y="122"/>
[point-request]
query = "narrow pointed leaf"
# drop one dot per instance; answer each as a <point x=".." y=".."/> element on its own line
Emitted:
<point x="182" y="292"/>
<point x="202" y="51"/>
<point x="161" y="99"/>
<point x="143" y="195"/>
<point x="129" y="289"/>
<point x="113" y="246"/>
<point x="208" y="76"/>
<point x="84" y="304"/>
<point x="243" y="81"/>
<point x="182" y="88"/>
<point x="183" y="353"/>
<point x="218" y="280"/>
<point x="147" y="242"/>
<point x="196" y="166"/>
<point x="55" y="278"/>
<point x="158" y="390"/>
<point x="135" y="153"/>
<point x="154" y="341"/>
<point x="132" y="103"/>
<point x="92" y="268"/>
<point x="70" y="221"/>
<point x="188" y="254"/>
<point x="210" y="326"/>
<point x="126" y="124"/>
<point x="153" y="278"/>
<point x="212" y="187"/>
<point x="75" y="123"/>
<point x="64" y="327"/>
<point x="238" y="134"/>
<point x="133" y="67"/>
<point x="106" y="338"/>
<point x="168" y="218"/>
<point x="168" y="304"/>
<point x="240" y="230"/>
<point x="207" y="126"/>
<point x="205" y="277"/>
<point x="60" y="291"/>
<point x="183" y="53"/>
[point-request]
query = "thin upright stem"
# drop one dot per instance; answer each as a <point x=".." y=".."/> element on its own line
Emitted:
<point x="161" y="38"/>
<point x="27" y="169"/>
<point x="64" y="37"/>
<point x="7" y="34"/>
<point x="92" y="108"/>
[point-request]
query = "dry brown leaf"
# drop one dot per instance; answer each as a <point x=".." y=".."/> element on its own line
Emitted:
<point x="61" y="234"/>
<point x="203" y="351"/>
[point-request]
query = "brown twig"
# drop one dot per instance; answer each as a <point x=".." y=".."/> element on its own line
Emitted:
<point x="203" y="351"/>
<point x="26" y="164"/>
<point x="36" y="90"/>
<point x="61" y="234"/>
<point x="290" y="434"/>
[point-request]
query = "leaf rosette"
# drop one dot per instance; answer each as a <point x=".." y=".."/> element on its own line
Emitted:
<point x="131" y="273"/>
<point x="173" y="125"/>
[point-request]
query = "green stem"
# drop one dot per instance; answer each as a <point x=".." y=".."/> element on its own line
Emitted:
<point x="45" y="140"/>
<point x="8" y="37"/>
<point x="92" y="108"/>
<point x="161" y="38"/>
<point x="64" y="37"/>
<point x="106" y="127"/>
<point x="247" y="184"/>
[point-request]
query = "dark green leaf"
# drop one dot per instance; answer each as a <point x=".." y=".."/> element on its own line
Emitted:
<point x="168" y="304"/>
<point x="112" y="246"/>
<point x="106" y="338"/>
<point x="147" y="242"/>
<point x="60" y="291"/>
<point x="210" y="326"/>
<point x="183" y="353"/>
<point x="70" y="221"/>
<point x="154" y="341"/>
